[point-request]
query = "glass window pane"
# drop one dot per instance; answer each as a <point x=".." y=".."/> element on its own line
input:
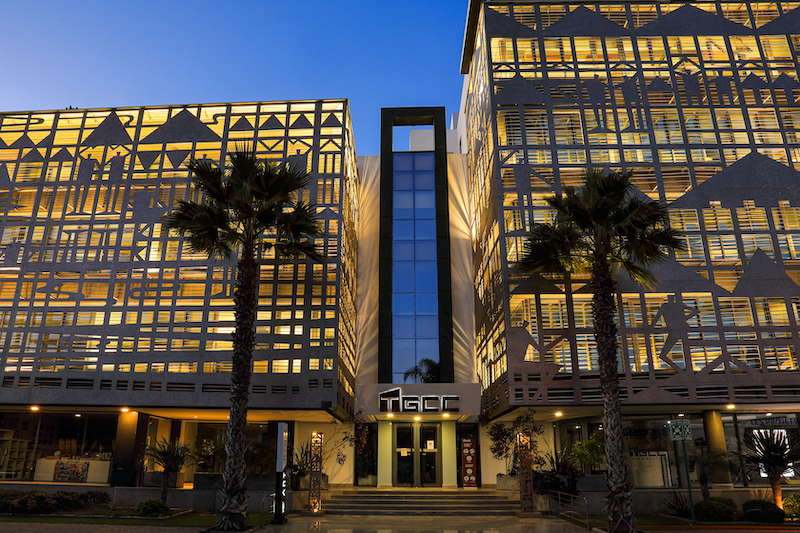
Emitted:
<point x="403" y="181"/>
<point x="424" y="204"/>
<point x="402" y="276"/>
<point x="403" y="230"/>
<point x="423" y="161"/>
<point x="425" y="276"/>
<point x="428" y="348"/>
<point x="403" y="250"/>
<point x="425" y="229"/>
<point x="403" y="205"/>
<point x="427" y="327"/>
<point x="402" y="328"/>
<point x="424" y="180"/>
<point x="403" y="355"/>
<point x="427" y="303"/>
<point x="403" y="161"/>
<point x="425" y="250"/>
<point x="403" y="303"/>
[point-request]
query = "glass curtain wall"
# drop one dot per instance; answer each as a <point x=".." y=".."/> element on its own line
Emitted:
<point x="415" y="327"/>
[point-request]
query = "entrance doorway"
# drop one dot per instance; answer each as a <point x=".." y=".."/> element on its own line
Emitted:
<point x="417" y="454"/>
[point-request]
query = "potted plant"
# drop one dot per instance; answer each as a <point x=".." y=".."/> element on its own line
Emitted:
<point x="210" y="454"/>
<point x="591" y="454"/>
<point x="504" y="446"/>
<point x="171" y="457"/>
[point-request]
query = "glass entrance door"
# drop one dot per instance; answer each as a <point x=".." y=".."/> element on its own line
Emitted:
<point x="417" y="457"/>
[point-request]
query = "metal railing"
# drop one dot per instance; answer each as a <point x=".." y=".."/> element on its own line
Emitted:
<point x="570" y="506"/>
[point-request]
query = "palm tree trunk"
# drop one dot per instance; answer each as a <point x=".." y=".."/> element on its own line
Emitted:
<point x="618" y="501"/>
<point x="164" y="486"/>
<point x="777" y="492"/>
<point x="233" y="513"/>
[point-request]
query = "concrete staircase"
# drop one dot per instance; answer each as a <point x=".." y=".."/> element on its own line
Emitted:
<point x="418" y="502"/>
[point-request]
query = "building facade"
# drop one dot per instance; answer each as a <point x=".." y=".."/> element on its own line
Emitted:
<point x="700" y="103"/>
<point x="104" y="309"/>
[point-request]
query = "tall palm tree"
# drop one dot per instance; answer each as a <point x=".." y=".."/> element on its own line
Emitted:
<point x="773" y="451"/>
<point x="245" y="211"/>
<point x="604" y="224"/>
<point x="425" y="371"/>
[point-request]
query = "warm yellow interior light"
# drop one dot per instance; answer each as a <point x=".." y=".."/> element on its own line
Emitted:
<point x="731" y="406"/>
<point x="390" y="415"/>
<point x="559" y="413"/>
<point x="34" y="407"/>
<point x="416" y="418"/>
<point x="446" y="415"/>
<point x="125" y="410"/>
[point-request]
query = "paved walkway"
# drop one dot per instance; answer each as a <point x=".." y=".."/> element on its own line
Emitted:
<point x="336" y="524"/>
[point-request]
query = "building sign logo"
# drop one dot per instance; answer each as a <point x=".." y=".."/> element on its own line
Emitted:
<point x="394" y="401"/>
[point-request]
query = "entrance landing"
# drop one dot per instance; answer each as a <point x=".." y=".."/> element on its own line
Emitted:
<point x="418" y="502"/>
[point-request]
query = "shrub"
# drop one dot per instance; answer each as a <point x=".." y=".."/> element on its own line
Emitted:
<point x="67" y="501"/>
<point x="152" y="507"/>
<point x="94" y="498"/>
<point x="6" y="499"/>
<point x="713" y="511"/>
<point x="34" y="502"/>
<point x="791" y="505"/>
<point x="763" y="511"/>
<point x="679" y="504"/>
<point x="727" y="501"/>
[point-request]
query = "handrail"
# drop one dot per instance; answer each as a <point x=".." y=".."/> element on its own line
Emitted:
<point x="569" y="503"/>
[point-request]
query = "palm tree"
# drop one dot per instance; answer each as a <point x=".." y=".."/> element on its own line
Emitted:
<point x="604" y="224"/>
<point x="171" y="456"/>
<point x="245" y="211"/>
<point x="772" y="451"/>
<point x="425" y="371"/>
<point x="708" y="461"/>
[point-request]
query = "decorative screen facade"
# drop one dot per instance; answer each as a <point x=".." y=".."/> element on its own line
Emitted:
<point x="99" y="304"/>
<point x="701" y="103"/>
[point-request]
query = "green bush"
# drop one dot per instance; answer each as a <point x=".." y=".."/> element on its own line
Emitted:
<point x="34" y="502"/>
<point x="713" y="510"/>
<point x="791" y="504"/>
<point x="94" y="498"/>
<point x="727" y="501"/>
<point x="152" y="507"/>
<point x="763" y="511"/>
<point x="7" y="497"/>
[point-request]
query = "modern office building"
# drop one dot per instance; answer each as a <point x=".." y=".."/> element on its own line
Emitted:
<point x="700" y="103"/>
<point x="101" y="309"/>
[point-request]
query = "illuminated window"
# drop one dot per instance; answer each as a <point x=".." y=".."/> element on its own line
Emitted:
<point x="280" y="366"/>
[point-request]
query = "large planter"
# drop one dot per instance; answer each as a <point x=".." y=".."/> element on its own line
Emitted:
<point x="204" y="480"/>
<point x="305" y="482"/>
<point x="368" y="481"/>
<point x="593" y="483"/>
<point x="154" y="479"/>
<point x="507" y="482"/>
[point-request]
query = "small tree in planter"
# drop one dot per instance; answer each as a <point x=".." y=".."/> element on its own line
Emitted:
<point x="706" y="461"/>
<point x="772" y="451"/>
<point x="504" y="441"/>
<point x="171" y="456"/>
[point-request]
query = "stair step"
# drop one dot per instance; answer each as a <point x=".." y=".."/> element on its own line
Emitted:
<point x="418" y="502"/>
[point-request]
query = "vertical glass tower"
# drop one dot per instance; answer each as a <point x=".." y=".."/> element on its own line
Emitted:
<point x="415" y="306"/>
<point x="415" y="301"/>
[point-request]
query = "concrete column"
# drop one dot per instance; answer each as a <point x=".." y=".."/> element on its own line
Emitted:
<point x="127" y="448"/>
<point x="449" y="450"/>
<point x="385" y="454"/>
<point x="715" y="440"/>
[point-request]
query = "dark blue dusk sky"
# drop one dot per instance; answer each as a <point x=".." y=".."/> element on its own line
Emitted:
<point x="379" y="53"/>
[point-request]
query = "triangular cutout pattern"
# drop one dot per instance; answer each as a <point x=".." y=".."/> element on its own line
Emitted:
<point x="147" y="158"/>
<point x="62" y="155"/>
<point x="47" y="142"/>
<point x="183" y="127"/>
<point x="5" y="179"/>
<point x="691" y="20"/>
<point x="655" y="395"/>
<point x="23" y="142"/>
<point x="272" y="123"/>
<point x="659" y="85"/>
<point x="332" y="122"/>
<point x="786" y="23"/>
<point x="584" y="21"/>
<point x="302" y="122"/>
<point x="785" y="82"/>
<point x="33" y="157"/>
<point x="498" y="25"/>
<point x="672" y="277"/>
<point x="754" y="177"/>
<point x="518" y="90"/>
<point x="176" y="157"/>
<point x="242" y="125"/>
<point x="109" y="132"/>
<point x="763" y="278"/>
<point x="754" y="82"/>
